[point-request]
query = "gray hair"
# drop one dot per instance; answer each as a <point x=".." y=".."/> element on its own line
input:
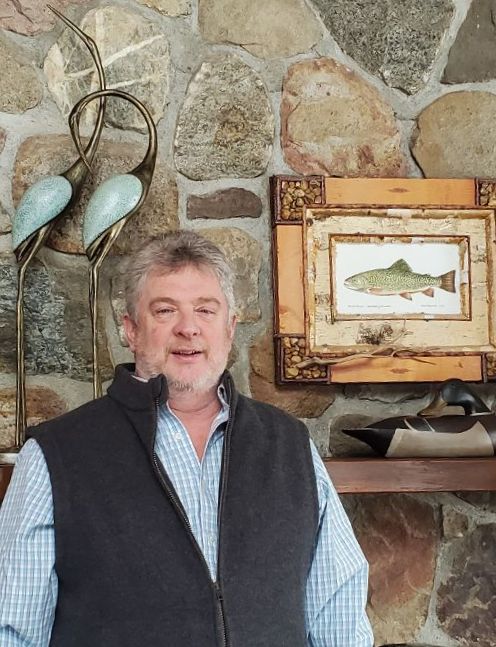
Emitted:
<point x="169" y="253"/>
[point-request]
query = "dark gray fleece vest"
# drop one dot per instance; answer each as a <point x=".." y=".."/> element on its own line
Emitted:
<point x="130" y="573"/>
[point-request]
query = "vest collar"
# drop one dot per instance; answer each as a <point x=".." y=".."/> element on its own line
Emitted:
<point x="138" y="395"/>
<point x="139" y="400"/>
<point x="134" y="394"/>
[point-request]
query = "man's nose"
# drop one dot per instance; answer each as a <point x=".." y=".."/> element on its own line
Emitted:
<point x="186" y="326"/>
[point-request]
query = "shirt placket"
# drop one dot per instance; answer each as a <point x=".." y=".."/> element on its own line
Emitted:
<point x="208" y="502"/>
<point x="196" y="482"/>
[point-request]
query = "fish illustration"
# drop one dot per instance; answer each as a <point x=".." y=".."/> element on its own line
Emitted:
<point x="400" y="279"/>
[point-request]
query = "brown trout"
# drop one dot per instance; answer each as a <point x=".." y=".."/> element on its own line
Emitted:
<point x="400" y="279"/>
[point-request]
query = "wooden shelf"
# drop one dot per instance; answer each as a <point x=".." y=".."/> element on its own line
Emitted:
<point x="369" y="475"/>
<point x="382" y="475"/>
<point x="5" y="474"/>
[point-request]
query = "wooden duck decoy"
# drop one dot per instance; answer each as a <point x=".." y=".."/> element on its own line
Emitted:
<point x="432" y="435"/>
<point x="110" y="207"/>
<point x="41" y="206"/>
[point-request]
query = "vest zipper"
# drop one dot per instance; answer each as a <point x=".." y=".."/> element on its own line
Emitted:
<point x="220" y="607"/>
<point x="223" y="477"/>
<point x="179" y="509"/>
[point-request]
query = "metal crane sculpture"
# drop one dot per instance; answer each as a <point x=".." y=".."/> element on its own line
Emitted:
<point x="41" y="206"/>
<point x="110" y="207"/>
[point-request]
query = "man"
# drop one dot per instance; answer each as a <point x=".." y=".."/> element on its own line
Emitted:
<point x="174" y="511"/>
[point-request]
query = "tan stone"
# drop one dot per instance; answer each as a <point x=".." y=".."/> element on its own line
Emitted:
<point x="135" y="56"/>
<point x="21" y="89"/>
<point x="225" y="127"/>
<point x="333" y="122"/>
<point x="118" y="303"/>
<point x="31" y="16"/>
<point x="244" y="256"/>
<point x="266" y="28"/>
<point x="169" y="7"/>
<point x="5" y="223"/>
<point x="41" y="156"/>
<point x="454" y="137"/>
<point x="41" y="404"/>
<point x="399" y="536"/>
<point x="301" y="401"/>
<point x="3" y="136"/>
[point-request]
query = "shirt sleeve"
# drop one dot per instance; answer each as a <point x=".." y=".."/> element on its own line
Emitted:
<point x="336" y="593"/>
<point x="28" y="582"/>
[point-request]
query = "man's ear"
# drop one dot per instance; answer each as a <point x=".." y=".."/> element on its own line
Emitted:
<point x="130" y="330"/>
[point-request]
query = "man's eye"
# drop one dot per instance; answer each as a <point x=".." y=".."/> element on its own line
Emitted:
<point x="166" y="311"/>
<point x="206" y="311"/>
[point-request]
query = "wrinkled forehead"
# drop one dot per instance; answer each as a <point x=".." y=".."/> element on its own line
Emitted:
<point x="188" y="281"/>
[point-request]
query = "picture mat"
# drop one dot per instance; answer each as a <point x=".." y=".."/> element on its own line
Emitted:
<point x="328" y="336"/>
<point x="434" y="256"/>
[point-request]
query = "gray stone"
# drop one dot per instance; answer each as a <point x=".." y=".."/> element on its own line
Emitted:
<point x="118" y="303"/>
<point x="320" y="436"/>
<point x="225" y="127"/>
<point x="342" y="445"/>
<point x="454" y="136"/>
<point x="266" y="28"/>
<point x="484" y="501"/>
<point x="135" y="56"/>
<point x="455" y="524"/>
<point x="334" y="123"/>
<point x="466" y="604"/>
<point x="41" y="156"/>
<point x="57" y="327"/>
<point x="244" y="256"/>
<point x="31" y="16"/>
<point x="397" y="40"/>
<point x="389" y="394"/>
<point x="21" y="89"/>
<point x="400" y="537"/>
<point x="229" y="203"/>
<point x="473" y="54"/>
<point x="169" y="7"/>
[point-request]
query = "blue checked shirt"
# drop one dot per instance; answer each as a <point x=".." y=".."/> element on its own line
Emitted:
<point x="337" y="583"/>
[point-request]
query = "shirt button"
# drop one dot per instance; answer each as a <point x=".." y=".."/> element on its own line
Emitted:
<point x="211" y="539"/>
<point x="177" y="436"/>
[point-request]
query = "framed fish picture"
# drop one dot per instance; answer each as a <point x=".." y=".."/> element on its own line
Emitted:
<point x="399" y="277"/>
<point x="383" y="280"/>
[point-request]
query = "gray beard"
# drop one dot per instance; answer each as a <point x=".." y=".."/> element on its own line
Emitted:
<point x="200" y="385"/>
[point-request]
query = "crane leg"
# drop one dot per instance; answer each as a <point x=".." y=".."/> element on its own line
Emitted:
<point x="95" y="264"/>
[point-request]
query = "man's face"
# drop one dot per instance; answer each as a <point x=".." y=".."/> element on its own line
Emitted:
<point x="183" y="329"/>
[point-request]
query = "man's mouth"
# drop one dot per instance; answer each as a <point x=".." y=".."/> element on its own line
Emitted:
<point x="186" y="352"/>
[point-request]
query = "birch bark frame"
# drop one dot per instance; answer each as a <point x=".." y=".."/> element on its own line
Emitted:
<point x="290" y="195"/>
<point x="328" y="335"/>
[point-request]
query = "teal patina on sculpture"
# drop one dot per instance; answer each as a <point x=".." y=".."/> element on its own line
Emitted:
<point x="113" y="200"/>
<point x="41" y="203"/>
<point x="39" y="209"/>
<point x="110" y="207"/>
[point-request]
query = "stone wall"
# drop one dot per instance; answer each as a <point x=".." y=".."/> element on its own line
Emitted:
<point x="242" y="90"/>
